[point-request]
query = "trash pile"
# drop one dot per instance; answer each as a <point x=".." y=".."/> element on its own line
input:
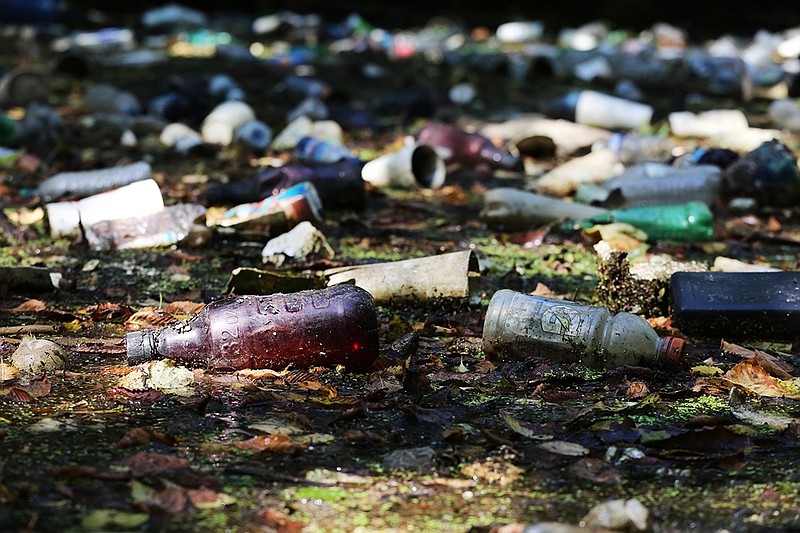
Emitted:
<point x="186" y="132"/>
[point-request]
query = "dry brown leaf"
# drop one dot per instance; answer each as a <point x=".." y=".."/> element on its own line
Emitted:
<point x="543" y="290"/>
<point x="449" y="482"/>
<point x="144" y="463"/>
<point x="149" y="317"/>
<point x="271" y="443"/>
<point x="28" y="306"/>
<point x="18" y="395"/>
<point x="734" y="349"/>
<point x="773" y="365"/>
<point x="278" y="521"/>
<point x="259" y="373"/>
<point x="139" y="436"/>
<point x="107" y="311"/>
<point x="750" y="375"/>
<point x="595" y="470"/>
<point x="184" y="307"/>
<point x="8" y="372"/>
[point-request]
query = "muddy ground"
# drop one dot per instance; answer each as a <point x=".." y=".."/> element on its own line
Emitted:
<point x="438" y="439"/>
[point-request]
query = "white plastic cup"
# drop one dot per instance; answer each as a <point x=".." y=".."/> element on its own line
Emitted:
<point x="413" y="165"/>
<point x="138" y="199"/>
<point x="606" y="111"/>
<point x="220" y="125"/>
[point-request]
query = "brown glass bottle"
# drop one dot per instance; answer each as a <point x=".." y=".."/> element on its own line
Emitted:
<point x="465" y="148"/>
<point x="326" y="327"/>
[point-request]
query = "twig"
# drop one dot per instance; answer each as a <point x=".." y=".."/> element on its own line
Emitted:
<point x="29" y="329"/>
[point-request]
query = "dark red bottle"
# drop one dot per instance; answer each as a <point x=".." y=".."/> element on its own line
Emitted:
<point x="333" y="326"/>
<point x="465" y="148"/>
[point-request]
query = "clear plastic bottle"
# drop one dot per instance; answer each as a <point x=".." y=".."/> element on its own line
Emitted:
<point x="332" y="326"/>
<point x="632" y="148"/>
<point x="83" y="183"/>
<point x="651" y="184"/>
<point x="315" y="150"/>
<point x="513" y="209"/>
<point x="162" y="228"/>
<point x="520" y="326"/>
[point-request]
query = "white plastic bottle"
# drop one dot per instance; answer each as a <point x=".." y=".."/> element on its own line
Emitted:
<point x="140" y="198"/>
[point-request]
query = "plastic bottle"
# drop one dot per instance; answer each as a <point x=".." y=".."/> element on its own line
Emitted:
<point x="162" y="228"/>
<point x="598" y="109"/>
<point x="719" y="157"/>
<point x="632" y="149"/>
<point x="340" y="186"/>
<point x="465" y="148"/>
<point x="520" y="326"/>
<point x="254" y="135"/>
<point x="314" y="150"/>
<point x="285" y="210"/>
<point x="689" y="222"/>
<point x="513" y="209"/>
<point x="109" y="99"/>
<point x="139" y="198"/>
<point x="333" y="326"/>
<point x="652" y="184"/>
<point x="220" y="125"/>
<point x="88" y="182"/>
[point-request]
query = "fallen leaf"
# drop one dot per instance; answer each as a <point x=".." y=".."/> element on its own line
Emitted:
<point x="171" y="500"/>
<point x="497" y="470"/>
<point x="561" y="447"/>
<point x="28" y="306"/>
<point x="108" y="519"/>
<point x="163" y="375"/>
<point x="139" y="436"/>
<point x="742" y="410"/>
<point x="271" y="443"/>
<point x="17" y="395"/>
<point x="449" y="482"/>
<point x="259" y="373"/>
<point x="703" y="443"/>
<point x="184" y="308"/>
<point x="209" y="499"/>
<point x="523" y="430"/>
<point x="278" y="521"/>
<point x="750" y="375"/>
<point x="107" y="311"/>
<point x="8" y="372"/>
<point x="595" y="470"/>
<point x="144" y="463"/>
<point x="706" y="370"/>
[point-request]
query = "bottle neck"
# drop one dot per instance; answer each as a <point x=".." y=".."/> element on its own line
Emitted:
<point x="670" y="349"/>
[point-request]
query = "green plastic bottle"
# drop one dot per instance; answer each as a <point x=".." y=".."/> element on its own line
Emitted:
<point x="8" y="130"/>
<point x="689" y="222"/>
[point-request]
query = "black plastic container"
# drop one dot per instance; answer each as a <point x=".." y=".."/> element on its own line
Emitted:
<point x="737" y="305"/>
